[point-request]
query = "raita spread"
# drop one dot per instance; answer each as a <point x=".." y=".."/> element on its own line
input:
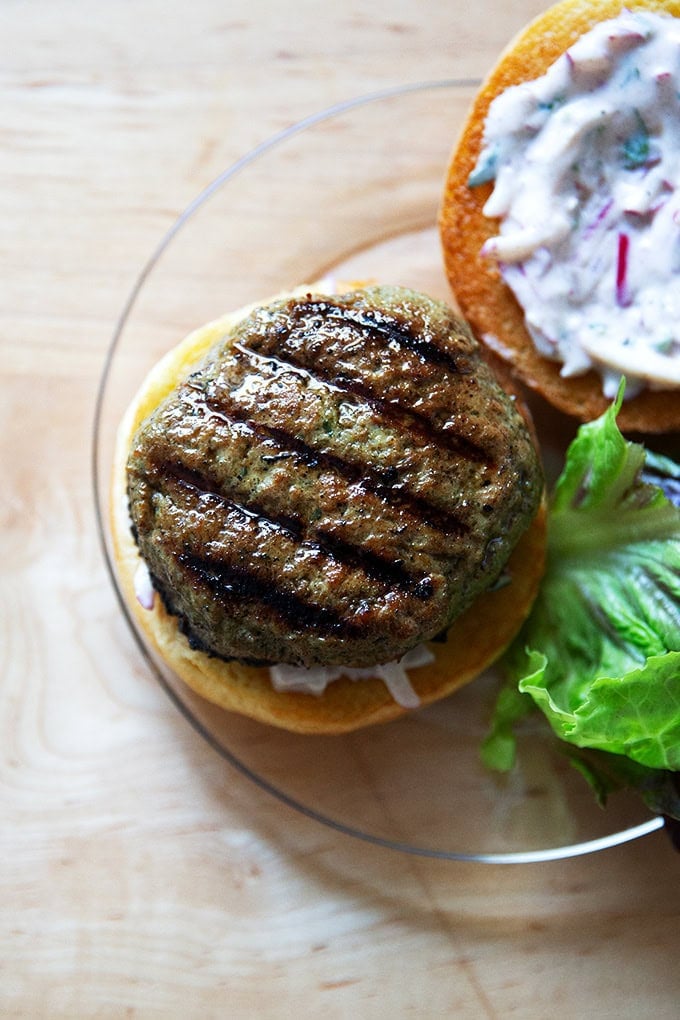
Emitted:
<point x="586" y="165"/>
<point x="394" y="675"/>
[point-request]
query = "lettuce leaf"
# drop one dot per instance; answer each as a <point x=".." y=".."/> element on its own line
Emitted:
<point x="600" y="652"/>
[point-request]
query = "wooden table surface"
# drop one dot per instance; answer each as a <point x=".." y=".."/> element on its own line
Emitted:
<point x="139" y="874"/>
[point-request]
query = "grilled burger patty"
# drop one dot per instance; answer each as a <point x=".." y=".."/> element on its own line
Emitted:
<point x="335" y="484"/>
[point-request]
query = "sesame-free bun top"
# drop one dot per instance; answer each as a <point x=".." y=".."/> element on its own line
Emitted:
<point x="474" y="641"/>
<point x="483" y="298"/>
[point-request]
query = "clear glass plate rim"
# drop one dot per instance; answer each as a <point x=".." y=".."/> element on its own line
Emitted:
<point x="512" y="857"/>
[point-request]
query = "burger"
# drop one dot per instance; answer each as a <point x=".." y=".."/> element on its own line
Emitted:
<point x="326" y="509"/>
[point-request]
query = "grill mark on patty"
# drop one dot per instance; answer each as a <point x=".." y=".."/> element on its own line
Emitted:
<point x="373" y="323"/>
<point x="229" y="582"/>
<point x="402" y="419"/>
<point x="388" y="572"/>
<point x="379" y="483"/>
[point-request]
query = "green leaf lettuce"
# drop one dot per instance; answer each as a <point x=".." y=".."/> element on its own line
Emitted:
<point x="600" y="652"/>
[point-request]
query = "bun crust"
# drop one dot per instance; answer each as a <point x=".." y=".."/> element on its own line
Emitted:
<point x="482" y="296"/>
<point x="475" y="640"/>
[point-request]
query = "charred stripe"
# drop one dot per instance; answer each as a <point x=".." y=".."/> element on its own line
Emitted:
<point x="402" y="419"/>
<point x="382" y="484"/>
<point x="230" y="583"/>
<point x="389" y="330"/>
<point x="390" y="573"/>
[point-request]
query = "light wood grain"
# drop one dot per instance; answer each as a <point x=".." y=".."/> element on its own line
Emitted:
<point x="140" y="876"/>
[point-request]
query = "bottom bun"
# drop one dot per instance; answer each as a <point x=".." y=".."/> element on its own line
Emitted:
<point x="474" y="641"/>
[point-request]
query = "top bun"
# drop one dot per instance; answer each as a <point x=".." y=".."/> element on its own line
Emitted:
<point x="483" y="298"/>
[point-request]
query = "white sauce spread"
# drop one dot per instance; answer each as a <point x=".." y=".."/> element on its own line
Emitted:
<point x="393" y="674"/>
<point x="143" y="585"/>
<point x="586" y="163"/>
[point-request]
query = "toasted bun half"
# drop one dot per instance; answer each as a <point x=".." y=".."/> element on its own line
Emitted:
<point x="483" y="298"/>
<point x="475" y="640"/>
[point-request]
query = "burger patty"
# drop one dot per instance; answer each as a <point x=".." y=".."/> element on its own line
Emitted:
<point x="335" y="483"/>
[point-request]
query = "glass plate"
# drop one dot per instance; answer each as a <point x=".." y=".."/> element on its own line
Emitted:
<point x="352" y="191"/>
